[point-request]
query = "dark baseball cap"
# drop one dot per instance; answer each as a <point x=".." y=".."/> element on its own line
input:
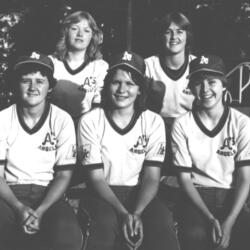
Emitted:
<point x="35" y="58"/>
<point x="208" y="64"/>
<point x="128" y="59"/>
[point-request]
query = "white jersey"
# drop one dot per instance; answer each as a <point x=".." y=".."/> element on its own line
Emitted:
<point x="177" y="99"/>
<point x="212" y="156"/>
<point x="76" y="90"/>
<point x="31" y="156"/>
<point x="122" y="153"/>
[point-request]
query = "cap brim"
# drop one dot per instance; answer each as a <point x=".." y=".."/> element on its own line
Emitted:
<point x="124" y="64"/>
<point x="205" y="70"/>
<point x="19" y="64"/>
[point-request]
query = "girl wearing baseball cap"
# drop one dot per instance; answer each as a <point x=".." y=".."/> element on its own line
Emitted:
<point x="211" y="146"/>
<point x="122" y="148"/>
<point x="37" y="157"/>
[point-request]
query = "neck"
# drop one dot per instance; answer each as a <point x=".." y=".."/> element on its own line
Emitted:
<point x="76" y="56"/>
<point x="122" y="117"/>
<point x="175" y="61"/>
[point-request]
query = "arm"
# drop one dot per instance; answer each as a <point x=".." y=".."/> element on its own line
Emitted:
<point x="56" y="190"/>
<point x="240" y="195"/>
<point x="97" y="181"/>
<point x="192" y="193"/>
<point x="23" y="212"/>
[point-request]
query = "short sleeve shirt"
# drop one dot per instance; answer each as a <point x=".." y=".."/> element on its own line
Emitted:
<point x="76" y="90"/>
<point x="31" y="156"/>
<point x="122" y="153"/>
<point x="211" y="156"/>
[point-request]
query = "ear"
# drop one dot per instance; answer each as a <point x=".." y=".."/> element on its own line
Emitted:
<point x="50" y="90"/>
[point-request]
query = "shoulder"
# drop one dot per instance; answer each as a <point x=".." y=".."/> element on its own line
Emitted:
<point x="100" y="63"/>
<point x="7" y="113"/>
<point x="59" y="114"/>
<point x="93" y="116"/>
<point x="151" y="117"/>
<point x="152" y="59"/>
<point x="184" y="121"/>
<point x="239" y="118"/>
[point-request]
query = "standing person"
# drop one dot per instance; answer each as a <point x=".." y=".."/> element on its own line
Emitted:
<point x="78" y="63"/>
<point x="171" y="66"/>
<point x="37" y="156"/>
<point x="211" y="146"/>
<point x="122" y="147"/>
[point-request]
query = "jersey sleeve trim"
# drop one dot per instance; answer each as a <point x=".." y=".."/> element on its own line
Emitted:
<point x="242" y="163"/>
<point x="94" y="166"/>
<point x="2" y="162"/>
<point x="183" y="169"/>
<point x="64" y="167"/>
<point x="148" y="163"/>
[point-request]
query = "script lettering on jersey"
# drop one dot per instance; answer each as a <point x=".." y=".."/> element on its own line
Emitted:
<point x="49" y="142"/>
<point x="140" y="145"/>
<point x="89" y="84"/>
<point x="228" y="147"/>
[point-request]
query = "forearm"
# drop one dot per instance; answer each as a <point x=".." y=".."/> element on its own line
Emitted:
<point x="240" y="195"/>
<point x="194" y="196"/>
<point x="7" y="195"/>
<point x="56" y="190"/>
<point x="105" y="192"/>
<point x="147" y="192"/>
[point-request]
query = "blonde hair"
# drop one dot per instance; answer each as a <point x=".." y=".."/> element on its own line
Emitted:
<point x="93" y="51"/>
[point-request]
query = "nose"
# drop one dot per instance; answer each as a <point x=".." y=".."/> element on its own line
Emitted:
<point x="32" y="85"/>
<point x="205" y="85"/>
<point x="122" y="87"/>
<point x="80" y="32"/>
<point x="173" y="34"/>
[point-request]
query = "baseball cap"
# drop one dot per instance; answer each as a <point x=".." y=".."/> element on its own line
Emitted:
<point x="35" y="58"/>
<point x="130" y="60"/>
<point x="207" y="63"/>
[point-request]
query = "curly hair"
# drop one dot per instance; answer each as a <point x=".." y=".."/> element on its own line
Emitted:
<point x="93" y="51"/>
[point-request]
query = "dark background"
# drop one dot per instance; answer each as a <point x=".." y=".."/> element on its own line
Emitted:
<point x="220" y="27"/>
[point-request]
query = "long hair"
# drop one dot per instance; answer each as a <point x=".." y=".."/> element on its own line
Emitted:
<point x="93" y="51"/>
<point x="182" y="21"/>
<point x="140" y="102"/>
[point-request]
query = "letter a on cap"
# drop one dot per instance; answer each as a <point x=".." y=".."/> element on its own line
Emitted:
<point x="127" y="56"/>
<point x="35" y="55"/>
<point x="204" y="60"/>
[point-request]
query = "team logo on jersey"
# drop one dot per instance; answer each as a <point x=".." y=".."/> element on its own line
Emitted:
<point x="85" y="152"/>
<point x="228" y="148"/>
<point x="140" y="145"/>
<point x="89" y="84"/>
<point x="49" y="142"/>
<point x="71" y="152"/>
<point x="161" y="149"/>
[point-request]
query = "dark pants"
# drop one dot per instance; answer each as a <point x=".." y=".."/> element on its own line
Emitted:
<point x="194" y="229"/>
<point x="105" y="229"/>
<point x="59" y="227"/>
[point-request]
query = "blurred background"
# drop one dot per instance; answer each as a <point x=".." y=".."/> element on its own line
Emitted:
<point x="221" y="27"/>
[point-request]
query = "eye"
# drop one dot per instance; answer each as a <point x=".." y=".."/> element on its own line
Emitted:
<point x="168" y="32"/>
<point x="73" y="28"/>
<point x="40" y="81"/>
<point x="129" y="83"/>
<point x="180" y="31"/>
<point x="88" y="30"/>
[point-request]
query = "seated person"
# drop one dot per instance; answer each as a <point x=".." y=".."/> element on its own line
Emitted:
<point x="37" y="156"/>
<point x="122" y="146"/>
<point x="211" y="146"/>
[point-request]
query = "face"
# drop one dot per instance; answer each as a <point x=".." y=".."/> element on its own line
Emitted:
<point x="33" y="89"/>
<point x="175" y="39"/>
<point x="209" y="92"/>
<point x="123" y="90"/>
<point x="79" y="35"/>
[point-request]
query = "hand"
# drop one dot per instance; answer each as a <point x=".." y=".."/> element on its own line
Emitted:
<point x="138" y="231"/>
<point x="226" y="234"/>
<point x="26" y="215"/>
<point x="216" y="231"/>
<point x="127" y="228"/>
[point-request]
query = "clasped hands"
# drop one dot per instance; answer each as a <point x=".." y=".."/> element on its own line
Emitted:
<point x="132" y="230"/>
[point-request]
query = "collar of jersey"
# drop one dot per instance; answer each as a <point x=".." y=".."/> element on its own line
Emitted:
<point x="77" y="70"/>
<point x="125" y="130"/>
<point x="39" y="123"/>
<point x="217" y="128"/>
<point x="174" y="74"/>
